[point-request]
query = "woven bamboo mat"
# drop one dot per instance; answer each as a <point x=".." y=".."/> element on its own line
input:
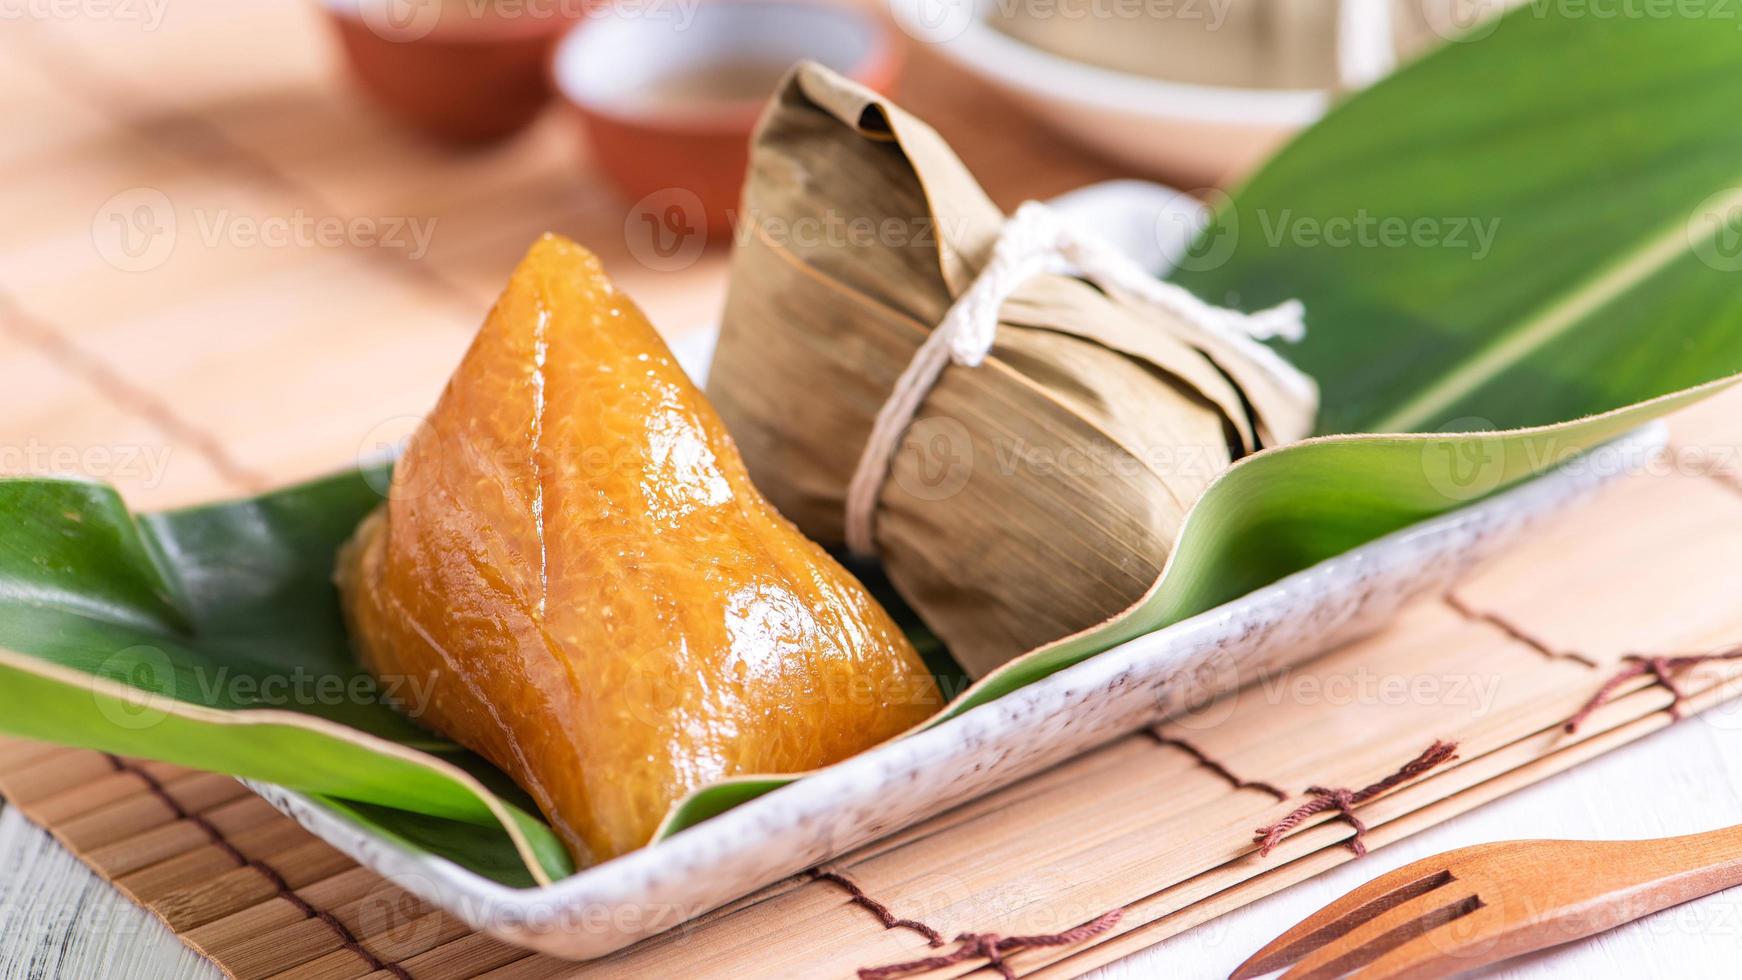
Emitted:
<point x="215" y="367"/>
<point x="144" y="313"/>
<point x="1158" y="825"/>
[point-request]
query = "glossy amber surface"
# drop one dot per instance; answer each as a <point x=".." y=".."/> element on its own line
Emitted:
<point x="608" y="610"/>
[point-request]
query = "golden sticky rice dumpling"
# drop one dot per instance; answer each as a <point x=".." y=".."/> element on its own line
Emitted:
<point x="608" y="609"/>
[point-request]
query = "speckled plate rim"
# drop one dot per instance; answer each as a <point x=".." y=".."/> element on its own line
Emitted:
<point x="608" y="907"/>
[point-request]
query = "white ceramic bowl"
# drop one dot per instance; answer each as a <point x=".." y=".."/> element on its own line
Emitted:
<point x="1199" y="135"/>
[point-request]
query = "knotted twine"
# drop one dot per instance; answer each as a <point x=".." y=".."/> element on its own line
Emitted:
<point x="1662" y="669"/>
<point x="1036" y="240"/>
<point x="992" y="948"/>
<point x="1344" y="801"/>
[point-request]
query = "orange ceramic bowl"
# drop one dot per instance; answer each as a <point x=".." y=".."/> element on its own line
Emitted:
<point x="460" y="71"/>
<point x="667" y="103"/>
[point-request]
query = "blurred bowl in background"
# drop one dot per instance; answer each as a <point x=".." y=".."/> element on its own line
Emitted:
<point x="1200" y="92"/>
<point x="1196" y="134"/>
<point x="667" y="105"/>
<point x="460" y="71"/>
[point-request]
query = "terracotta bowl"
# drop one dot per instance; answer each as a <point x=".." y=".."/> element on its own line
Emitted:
<point x="667" y="106"/>
<point x="460" y="72"/>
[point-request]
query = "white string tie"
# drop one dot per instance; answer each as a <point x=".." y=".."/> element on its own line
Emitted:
<point x="1037" y="240"/>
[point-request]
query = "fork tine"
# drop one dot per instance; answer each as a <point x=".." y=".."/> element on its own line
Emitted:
<point x="1440" y="953"/>
<point x="1347" y="914"/>
<point x="1411" y="923"/>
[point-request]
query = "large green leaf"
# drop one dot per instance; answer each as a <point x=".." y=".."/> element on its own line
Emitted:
<point x="1550" y="213"/>
<point x="1277" y="513"/>
<point x="1586" y="302"/>
<point x="211" y="637"/>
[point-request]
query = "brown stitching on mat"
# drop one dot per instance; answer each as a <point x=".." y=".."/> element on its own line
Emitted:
<point x="124" y="394"/>
<point x="881" y="911"/>
<point x="992" y="948"/>
<point x="180" y="812"/>
<point x="1514" y="631"/>
<point x="347" y="939"/>
<point x="1662" y="670"/>
<point x="1214" y="766"/>
<point x="1344" y="801"/>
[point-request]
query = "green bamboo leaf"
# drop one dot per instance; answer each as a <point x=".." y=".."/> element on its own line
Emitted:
<point x="212" y="638"/>
<point x="1542" y="221"/>
<point x="1279" y="512"/>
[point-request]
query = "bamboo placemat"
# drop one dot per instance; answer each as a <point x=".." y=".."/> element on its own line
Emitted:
<point x="210" y="364"/>
<point x="222" y="369"/>
<point x="1158" y="827"/>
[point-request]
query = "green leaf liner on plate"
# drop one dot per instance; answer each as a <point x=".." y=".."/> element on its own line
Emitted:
<point x="206" y="637"/>
<point x="211" y="637"/>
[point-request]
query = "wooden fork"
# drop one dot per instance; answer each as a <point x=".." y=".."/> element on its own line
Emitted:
<point x="1477" y="905"/>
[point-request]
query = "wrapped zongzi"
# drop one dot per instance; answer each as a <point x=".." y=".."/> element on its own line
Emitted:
<point x="1021" y="500"/>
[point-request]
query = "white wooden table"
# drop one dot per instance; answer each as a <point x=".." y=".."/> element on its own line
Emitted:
<point x="59" y="920"/>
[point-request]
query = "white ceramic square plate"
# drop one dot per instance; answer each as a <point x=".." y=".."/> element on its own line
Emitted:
<point x="610" y="906"/>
